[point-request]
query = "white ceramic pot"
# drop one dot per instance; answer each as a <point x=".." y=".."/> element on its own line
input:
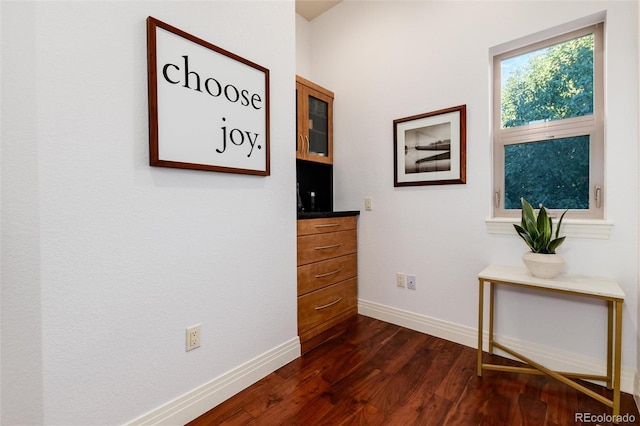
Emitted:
<point x="543" y="265"/>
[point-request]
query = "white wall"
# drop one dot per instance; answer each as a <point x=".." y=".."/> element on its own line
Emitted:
<point x="106" y="260"/>
<point x="303" y="47"/>
<point x="388" y="60"/>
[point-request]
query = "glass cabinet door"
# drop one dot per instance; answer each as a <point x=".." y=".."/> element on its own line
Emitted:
<point x="318" y="127"/>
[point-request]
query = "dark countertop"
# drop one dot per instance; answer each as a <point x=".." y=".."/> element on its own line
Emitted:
<point x="316" y="215"/>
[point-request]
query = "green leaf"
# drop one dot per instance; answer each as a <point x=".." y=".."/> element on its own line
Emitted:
<point x="529" y="219"/>
<point x="560" y="223"/>
<point x="553" y="245"/>
<point x="524" y="235"/>
<point x="544" y="224"/>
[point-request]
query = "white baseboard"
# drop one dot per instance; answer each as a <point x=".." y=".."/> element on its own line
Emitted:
<point x="202" y="399"/>
<point x="468" y="336"/>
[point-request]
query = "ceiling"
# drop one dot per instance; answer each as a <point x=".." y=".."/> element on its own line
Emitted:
<point x="310" y="9"/>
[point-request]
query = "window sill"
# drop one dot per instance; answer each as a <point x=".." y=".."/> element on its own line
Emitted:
<point x="594" y="229"/>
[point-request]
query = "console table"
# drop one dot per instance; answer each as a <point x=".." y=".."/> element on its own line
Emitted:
<point x="577" y="285"/>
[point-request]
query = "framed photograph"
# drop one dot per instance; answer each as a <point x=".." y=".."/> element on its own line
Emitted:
<point x="430" y="149"/>
<point x="208" y="108"/>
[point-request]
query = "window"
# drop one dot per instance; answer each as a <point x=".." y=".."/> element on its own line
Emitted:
<point x="548" y="126"/>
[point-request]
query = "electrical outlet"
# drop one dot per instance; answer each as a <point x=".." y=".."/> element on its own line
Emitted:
<point x="401" y="279"/>
<point x="193" y="337"/>
<point x="411" y="282"/>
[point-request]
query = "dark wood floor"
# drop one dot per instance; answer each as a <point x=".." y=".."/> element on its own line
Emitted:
<point x="381" y="374"/>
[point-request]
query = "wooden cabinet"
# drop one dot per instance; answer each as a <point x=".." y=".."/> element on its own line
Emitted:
<point x="327" y="245"/>
<point x="327" y="277"/>
<point x="314" y="122"/>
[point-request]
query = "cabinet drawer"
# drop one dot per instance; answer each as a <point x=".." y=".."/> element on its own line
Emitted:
<point x="319" y="306"/>
<point x="321" y="274"/>
<point x="313" y="248"/>
<point x="327" y="224"/>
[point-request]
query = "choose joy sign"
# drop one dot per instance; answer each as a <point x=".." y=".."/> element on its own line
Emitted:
<point x="208" y="108"/>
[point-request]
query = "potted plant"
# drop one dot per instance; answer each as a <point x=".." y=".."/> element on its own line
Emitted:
<point x="537" y="232"/>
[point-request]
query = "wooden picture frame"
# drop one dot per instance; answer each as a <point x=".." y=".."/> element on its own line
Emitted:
<point x="430" y="148"/>
<point x="208" y="107"/>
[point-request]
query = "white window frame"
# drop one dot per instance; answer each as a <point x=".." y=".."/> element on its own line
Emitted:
<point x="592" y="125"/>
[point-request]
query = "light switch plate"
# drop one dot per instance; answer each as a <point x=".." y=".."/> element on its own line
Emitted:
<point x="368" y="203"/>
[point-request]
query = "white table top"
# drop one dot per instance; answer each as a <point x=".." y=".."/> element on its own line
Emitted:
<point x="577" y="284"/>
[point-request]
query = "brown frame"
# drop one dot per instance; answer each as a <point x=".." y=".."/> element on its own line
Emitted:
<point x="437" y="169"/>
<point x="220" y="132"/>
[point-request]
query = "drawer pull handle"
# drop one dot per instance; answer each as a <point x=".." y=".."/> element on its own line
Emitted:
<point x="327" y="225"/>
<point x="328" y="273"/>
<point x="328" y="247"/>
<point x="328" y="304"/>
